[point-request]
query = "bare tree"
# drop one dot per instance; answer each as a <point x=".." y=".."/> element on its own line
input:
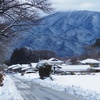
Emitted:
<point x="92" y="51"/>
<point x="18" y="15"/>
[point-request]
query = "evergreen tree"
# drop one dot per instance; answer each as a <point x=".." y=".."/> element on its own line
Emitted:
<point x="44" y="71"/>
<point x="26" y="55"/>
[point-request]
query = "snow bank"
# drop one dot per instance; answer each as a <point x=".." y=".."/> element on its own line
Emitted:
<point x="74" y="90"/>
<point x="8" y="91"/>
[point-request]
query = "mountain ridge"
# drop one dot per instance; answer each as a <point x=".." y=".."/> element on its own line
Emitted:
<point x="65" y="33"/>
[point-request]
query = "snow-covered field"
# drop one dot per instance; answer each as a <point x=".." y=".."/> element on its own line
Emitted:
<point x="86" y="86"/>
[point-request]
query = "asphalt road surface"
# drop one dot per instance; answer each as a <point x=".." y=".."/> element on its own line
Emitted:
<point x="33" y="91"/>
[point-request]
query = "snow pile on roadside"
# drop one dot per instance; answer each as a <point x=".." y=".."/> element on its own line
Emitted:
<point x="74" y="90"/>
<point x="8" y="91"/>
<point x="70" y="84"/>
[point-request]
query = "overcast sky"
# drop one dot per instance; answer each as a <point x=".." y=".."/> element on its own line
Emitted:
<point x="65" y="5"/>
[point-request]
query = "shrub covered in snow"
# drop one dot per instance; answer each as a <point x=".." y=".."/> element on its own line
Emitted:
<point x="44" y="71"/>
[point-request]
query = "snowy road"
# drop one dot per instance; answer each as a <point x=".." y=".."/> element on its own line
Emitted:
<point x="33" y="91"/>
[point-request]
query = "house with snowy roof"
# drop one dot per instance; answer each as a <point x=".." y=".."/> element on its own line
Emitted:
<point x="51" y="61"/>
<point x="54" y="61"/>
<point x="14" y="68"/>
<point x="91" y="62"/>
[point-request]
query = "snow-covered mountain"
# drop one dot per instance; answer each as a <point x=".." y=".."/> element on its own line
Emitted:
<point x="66" y="33"/>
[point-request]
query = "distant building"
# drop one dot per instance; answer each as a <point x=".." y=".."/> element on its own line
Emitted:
<point x="51" y="61"/>
<point x="91" y="62"/>
<point x="54" y="61"/>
